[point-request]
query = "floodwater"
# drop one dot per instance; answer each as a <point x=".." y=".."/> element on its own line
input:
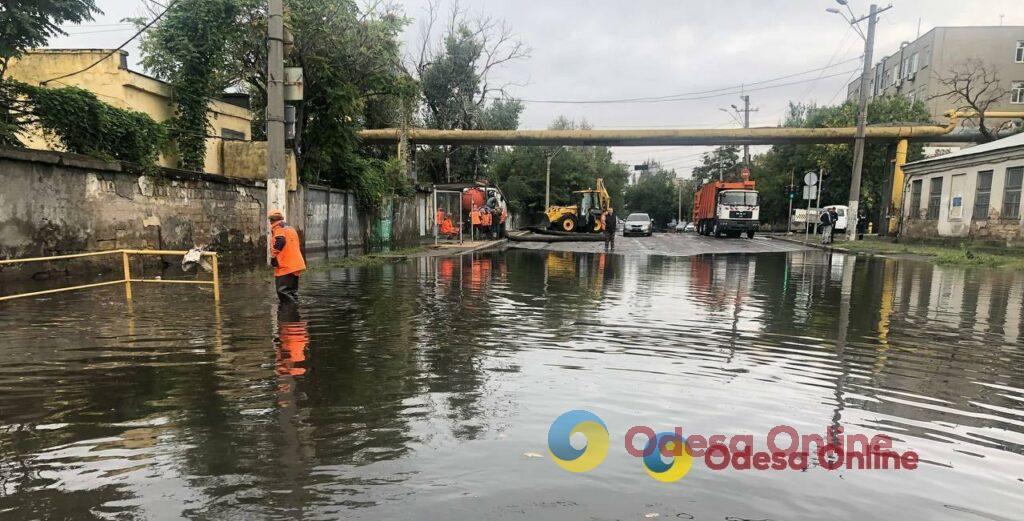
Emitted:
<point x="425" y="390"/>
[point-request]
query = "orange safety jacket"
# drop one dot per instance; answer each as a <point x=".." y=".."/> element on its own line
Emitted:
<point x="504" y="214"/>
<point x="474" y="218"/>
<point x="486" y="218"/>
<point x="284" y="249"/>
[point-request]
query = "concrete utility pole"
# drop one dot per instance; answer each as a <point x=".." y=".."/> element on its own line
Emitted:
<point x="746" y="124"/>
<point x="277" y="192"/>
<point x="547" y="180"/>
<point x="862" y="117"/>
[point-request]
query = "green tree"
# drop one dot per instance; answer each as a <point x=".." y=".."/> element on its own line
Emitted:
<point x="655" y="193"/>
<point x="520" y="171"/>
<point x="458" y="91"/>
<point x="353" y="78"/>
<point x="26" y="24"/>
<point x="721" y="163"/>
<point x="773" y="170"/>
<point x="188" y="49"/>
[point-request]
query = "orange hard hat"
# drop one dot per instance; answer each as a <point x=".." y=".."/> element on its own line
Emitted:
<point x="275" y="213"/>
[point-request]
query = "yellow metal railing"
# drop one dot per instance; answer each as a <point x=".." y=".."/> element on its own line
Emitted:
<point x="127" y="280"/>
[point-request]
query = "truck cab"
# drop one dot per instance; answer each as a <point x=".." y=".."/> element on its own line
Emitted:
<point x="738" y="211"/>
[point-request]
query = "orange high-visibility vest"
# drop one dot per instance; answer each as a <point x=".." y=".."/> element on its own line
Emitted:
<point x="486" y="218"/>
<point x="474" y="218"/>
<point x="504" y="214"/>
<point x="289" y="257"/>
<point x="439" y="217"/>
<point x="447" y="228"/>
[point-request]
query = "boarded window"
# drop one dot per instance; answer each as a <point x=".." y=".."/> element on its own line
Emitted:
<point x="1011" y="194"/>
<point x="915" y="199"/>
<point x="982" y="195"/>
<point x="934" y="197"/>
<point x="1019" y="53"/>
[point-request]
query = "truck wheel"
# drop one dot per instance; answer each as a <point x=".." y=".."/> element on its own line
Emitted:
<point x="715" y="231"/>
<point x="750" y="234"/>
<point x="568" y="224"/>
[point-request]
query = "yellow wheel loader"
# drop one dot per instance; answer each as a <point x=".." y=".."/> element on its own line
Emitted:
<point x="585" y="215"/>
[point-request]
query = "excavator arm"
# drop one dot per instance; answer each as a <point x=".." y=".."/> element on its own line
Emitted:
<point x="603" y="195"/>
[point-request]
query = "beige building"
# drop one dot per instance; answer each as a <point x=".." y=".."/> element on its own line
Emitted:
<point x="975" y="192"/>
<point x="114" y="83"/>
<point x="914" y="70"/>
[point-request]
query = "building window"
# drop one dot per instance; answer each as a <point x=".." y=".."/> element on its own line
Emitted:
<point x="913" y="64"/>
<point x="915" y="199"/>
<point x="1017" y="92"/>
<point x="982" y="195"/>
<point x="934" y="197"/>
<point x="1011" y="193"/>
<point x="1019" y="55"/>
<point x="911" y="97"/>
<point x="232" y="135"/>
<point x="925" y="55"/>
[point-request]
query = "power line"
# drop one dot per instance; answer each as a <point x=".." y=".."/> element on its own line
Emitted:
<point x="676" y="97"/>
<point x="119" y="47"/>
<point x="121" y="30"/>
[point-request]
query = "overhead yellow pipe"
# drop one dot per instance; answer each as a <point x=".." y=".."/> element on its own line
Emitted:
<point x="646" y="137"/>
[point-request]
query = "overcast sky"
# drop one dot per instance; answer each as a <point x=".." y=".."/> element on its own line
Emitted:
<point x="615" y="49"/>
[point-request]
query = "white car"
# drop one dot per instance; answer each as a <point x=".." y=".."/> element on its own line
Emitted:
<point x="689" y="227"/>
<point x="681" y="227"/>
<point x="637" y="224"/>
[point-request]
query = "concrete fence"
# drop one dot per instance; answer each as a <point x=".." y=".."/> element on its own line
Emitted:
<point x="54" y="203"/>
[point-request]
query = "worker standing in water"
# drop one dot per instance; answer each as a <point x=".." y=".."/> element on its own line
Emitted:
<point x="608" y="224"/>
<point x="286" y="258"/>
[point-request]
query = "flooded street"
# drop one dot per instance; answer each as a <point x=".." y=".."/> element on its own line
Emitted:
<point x="426" y="389"/>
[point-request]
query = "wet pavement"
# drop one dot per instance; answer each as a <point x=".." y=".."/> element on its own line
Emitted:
<point x="425" y="390"/>
<point x="670" y="244"/>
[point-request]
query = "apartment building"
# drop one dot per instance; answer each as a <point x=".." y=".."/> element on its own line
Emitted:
<point x="916" y="68"/>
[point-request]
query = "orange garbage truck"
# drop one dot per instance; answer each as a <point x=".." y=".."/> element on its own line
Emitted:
<point x="726" y="208"/>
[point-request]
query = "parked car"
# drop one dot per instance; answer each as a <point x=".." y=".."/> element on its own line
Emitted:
<point x="638" y="224"/>
<point x="689" y="228"/>
<point x="680" y="227"/>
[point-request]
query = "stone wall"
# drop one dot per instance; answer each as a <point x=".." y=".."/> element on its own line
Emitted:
<point x="54" y="203"/>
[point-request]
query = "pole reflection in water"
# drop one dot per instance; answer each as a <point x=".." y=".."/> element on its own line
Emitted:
<point x="414" y="389"/>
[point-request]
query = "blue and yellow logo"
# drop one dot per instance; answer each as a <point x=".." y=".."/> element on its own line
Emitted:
<point x="667" y="443"/>
<point x="573" y="459"/>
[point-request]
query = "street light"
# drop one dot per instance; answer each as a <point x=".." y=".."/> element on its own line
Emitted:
<point x="547" y="181"/>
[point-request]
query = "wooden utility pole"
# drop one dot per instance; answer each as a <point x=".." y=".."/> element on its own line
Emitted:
<point x="277" y="191"/>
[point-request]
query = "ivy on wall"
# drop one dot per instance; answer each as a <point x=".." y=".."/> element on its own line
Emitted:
<point x="79" y="122"/>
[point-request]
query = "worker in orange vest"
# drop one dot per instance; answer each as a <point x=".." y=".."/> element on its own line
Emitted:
<point x="285" y="257"/>
<point x="485" y="220"/>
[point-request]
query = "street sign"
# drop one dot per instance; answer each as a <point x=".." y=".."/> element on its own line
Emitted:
<point x="810" y="192"/>
<point x="810" y="178"/>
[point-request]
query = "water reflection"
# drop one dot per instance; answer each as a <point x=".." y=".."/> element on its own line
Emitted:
<point x="414" y="389"/>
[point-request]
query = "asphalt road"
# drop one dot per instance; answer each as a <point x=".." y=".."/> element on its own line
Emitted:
<point x="671" y="244"/>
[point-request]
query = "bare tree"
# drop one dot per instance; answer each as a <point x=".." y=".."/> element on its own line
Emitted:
<point x="974" y="86"/>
